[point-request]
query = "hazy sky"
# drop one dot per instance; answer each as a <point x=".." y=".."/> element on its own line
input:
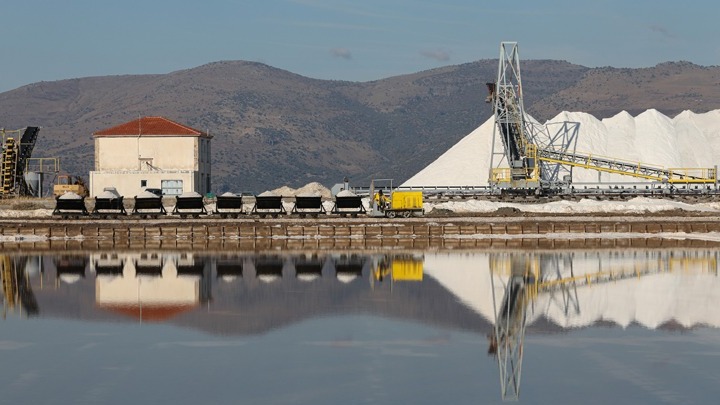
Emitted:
<point x="342" y="39"/>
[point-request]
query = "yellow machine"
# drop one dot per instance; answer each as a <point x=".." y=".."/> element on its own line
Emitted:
<point x="66" y="183"/>
<point x="399" y="203"/>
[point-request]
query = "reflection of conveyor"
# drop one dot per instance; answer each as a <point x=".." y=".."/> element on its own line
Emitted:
<point x="524" y="278"/>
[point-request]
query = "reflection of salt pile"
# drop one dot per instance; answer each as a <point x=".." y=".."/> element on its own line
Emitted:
<point x="346" y="193"/>
<point x="650" y="138"/>
<point x="190" y="194"/>
<point x="651" y="300"/>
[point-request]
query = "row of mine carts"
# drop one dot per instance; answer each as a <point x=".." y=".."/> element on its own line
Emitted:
<point x="266" y="268"/>
<point x="226" y="206"/>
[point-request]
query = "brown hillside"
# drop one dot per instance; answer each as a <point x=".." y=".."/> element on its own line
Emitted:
<point x="275" y="128"/>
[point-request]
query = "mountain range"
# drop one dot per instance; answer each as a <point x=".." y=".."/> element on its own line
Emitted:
<point x="272" y="127"/>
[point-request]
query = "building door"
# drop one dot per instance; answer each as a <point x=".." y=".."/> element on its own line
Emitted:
<point x="171" y="187"/>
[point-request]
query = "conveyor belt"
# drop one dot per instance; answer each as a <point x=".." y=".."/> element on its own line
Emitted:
<point x="634" y="169"/>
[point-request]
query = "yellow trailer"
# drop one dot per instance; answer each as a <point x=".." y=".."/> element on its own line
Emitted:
<point x="405" y="204"/>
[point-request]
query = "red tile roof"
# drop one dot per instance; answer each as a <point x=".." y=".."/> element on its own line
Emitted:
<point x="149" y="313"/>
<point x="151" y="126"/>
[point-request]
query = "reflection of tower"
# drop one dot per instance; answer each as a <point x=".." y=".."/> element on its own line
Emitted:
<point x="508" y="336"/>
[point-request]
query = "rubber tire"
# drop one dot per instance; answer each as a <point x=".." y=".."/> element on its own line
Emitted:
<point x="407" y="214"/>
<point x="390" y="214"/>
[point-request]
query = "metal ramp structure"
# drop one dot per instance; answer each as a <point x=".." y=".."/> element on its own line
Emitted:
<point x="528" y="158"/>
<point x="15" y="154"/>
<point x="523" y="278"/>
<point x="634" y="169"/>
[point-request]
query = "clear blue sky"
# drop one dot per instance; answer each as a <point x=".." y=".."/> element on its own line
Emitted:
<point x="342" y="39"/>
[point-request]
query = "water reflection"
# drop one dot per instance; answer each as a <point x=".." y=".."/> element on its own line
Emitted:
<point x="649" y="288"/>
<point x="499" y="297"/>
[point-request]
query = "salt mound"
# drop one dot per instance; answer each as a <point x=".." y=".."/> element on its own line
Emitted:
<point x="314" y="189"/>
<point x="284" y="190"/>
<point x="190" y="194"/>
<point x="228" y="194"/>
<point x="346" y="193"/>
<point x="268" y="194"/>
<point x="688" y="140"/>
<point x="69" y="195"/>
<point x="109" y="195"/>
<point x="147" y="194"/>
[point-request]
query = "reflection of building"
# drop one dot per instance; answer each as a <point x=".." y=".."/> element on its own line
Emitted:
<point x="151" y="286"/>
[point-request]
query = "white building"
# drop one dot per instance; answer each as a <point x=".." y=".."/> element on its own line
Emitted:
<point x="151" y="152"/>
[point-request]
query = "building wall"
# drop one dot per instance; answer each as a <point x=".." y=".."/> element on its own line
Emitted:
<point x="124" y="162"/>
<point x="129" y="182"/>
<point x="146" y="152"/>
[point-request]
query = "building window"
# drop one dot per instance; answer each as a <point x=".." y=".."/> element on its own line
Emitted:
<point x="171" y="187"/>
<point x="143" y="183"/>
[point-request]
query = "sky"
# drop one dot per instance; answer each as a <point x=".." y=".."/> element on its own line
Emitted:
<point x="46" y="40"/>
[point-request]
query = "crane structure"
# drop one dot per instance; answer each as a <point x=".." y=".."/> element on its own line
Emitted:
<point x="527" y="157"/>
<point x="519" y="280"/>
<point x="17" y="148"/>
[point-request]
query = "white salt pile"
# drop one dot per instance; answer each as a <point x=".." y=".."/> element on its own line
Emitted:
<point x="228" y="194"/>
<point x="69" y="195"/>
<point x="687" y="141"/>
<point x="268" y="194"/>
<point x="313" y="189"/>
<point x="147" y="194"/>
<point x="346" y="193"/>
<point x="190" y="194"/>
<point x="109" y="195"/>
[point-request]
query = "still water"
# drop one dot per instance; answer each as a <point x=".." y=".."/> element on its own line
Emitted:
<point x="626" y="326"/>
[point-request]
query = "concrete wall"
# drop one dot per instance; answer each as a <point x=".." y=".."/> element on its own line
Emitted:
<point x="124" y="162"/>
<point x="137" y="153"/>
<point x="128" y="183"/>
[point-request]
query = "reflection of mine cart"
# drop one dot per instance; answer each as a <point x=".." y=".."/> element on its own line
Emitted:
<point x="149" y="264"/>
<point x="269" y="268"/>
<point x="229" y="206"/>
<point x="349" y="268"/>
<point x="229" y="267"/>
<point x="308" y="268"/>
<point x="109" y="264"/>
